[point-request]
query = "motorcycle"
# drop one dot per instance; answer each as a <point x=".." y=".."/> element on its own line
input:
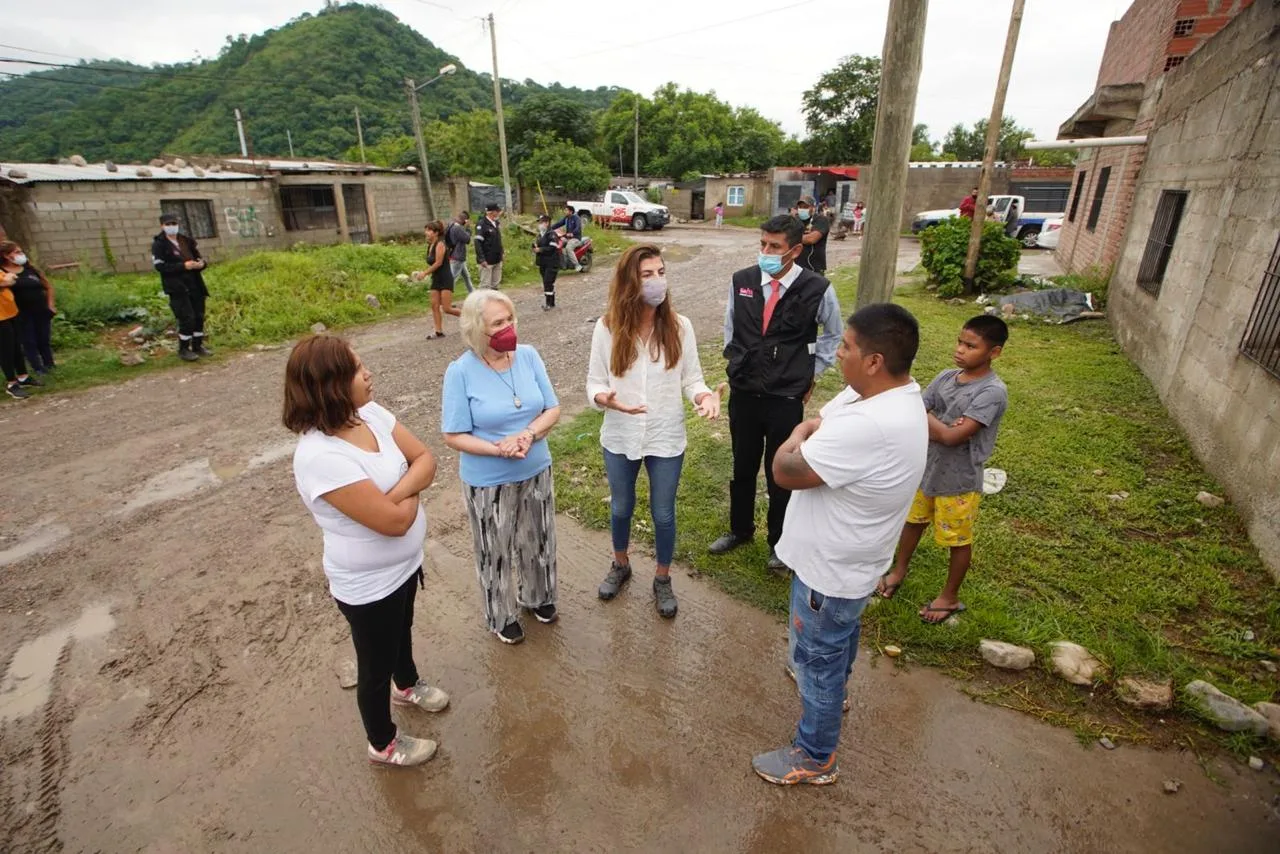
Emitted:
<point x="584" y="252"/>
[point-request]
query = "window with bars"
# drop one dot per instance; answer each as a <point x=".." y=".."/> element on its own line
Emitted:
<point x="1075" y="197"/>
<point x="1164" y="231"/>
<point x="1100" y="193"/>
<point x="308" y="208"/>
<point x="1183" y="27"/>
<point x="195" y="216"/>
<point x="1173" y="62"/>
<point x="1262" y="336"/>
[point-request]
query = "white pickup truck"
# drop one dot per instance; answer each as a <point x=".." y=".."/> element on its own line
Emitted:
<point x="1027" y="227"/>
<point x="623" y="207"/>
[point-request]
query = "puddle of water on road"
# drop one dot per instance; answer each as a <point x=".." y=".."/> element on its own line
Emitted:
<point x="40" y="537"/>
<point x="175" y="483"/>
<point x="28" y="682"/>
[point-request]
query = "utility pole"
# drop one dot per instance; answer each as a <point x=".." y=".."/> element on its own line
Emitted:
<point x="289" y="135"/>
<point x="891" y="150"/>
<point x="622" y="164"/>
<point x="993" y="143"/>
<point x="637" y="146"/>
<point x="244" y="147"/>
<point x="422" y="145"/>
<point x="360" y="135"/>
<point x="502" y="123"/>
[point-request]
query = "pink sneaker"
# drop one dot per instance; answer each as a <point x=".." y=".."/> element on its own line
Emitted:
<point x="421" y="695"/>
<point x="404" y="750"/>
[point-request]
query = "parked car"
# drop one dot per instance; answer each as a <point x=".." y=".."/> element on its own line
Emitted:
<point x="1050" y="232"/>
<point x="1027" y="227"/>
<point x="624" y="207"/>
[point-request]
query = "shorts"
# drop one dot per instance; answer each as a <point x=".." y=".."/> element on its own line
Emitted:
<point x="953" y="516"/>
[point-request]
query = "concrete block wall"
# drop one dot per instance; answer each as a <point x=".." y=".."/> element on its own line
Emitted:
<point x="1217" y="137"/>
<point x="66" y="222"/>
<point x="937" y="188"/>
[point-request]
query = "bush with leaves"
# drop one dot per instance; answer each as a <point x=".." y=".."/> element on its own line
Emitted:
<point x="943" y="248"/>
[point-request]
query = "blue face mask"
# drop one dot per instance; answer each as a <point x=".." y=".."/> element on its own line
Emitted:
<point x="770" y="264"/>
<point x="803" y="213"/>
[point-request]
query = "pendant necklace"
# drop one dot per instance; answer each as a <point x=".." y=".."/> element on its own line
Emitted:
<point x="515" y="398"/>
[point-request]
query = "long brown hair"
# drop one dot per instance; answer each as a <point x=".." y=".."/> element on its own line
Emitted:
<point x="626" y="308"/>
<point x="317" y="385"/>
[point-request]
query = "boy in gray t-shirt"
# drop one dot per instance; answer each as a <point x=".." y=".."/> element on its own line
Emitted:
<point x="965" y="405"/>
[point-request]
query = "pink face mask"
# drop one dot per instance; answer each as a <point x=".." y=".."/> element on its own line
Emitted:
<point x="504" y="340"/>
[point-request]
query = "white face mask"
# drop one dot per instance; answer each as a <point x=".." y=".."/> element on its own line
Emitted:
<point x="20" y="259"/>
<point x="653" y="291"/>
<point x="171" y="230"/>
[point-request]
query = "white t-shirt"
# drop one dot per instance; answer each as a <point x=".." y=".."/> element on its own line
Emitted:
<point x="839" y="537"/>
<point x="362" y="565"/>
<point x="659" y="431"/>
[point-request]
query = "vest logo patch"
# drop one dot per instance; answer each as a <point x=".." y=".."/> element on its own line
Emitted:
<point x="745" y="292"/>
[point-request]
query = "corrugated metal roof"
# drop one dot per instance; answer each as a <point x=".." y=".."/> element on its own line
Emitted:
<point x="303" y="165"/>
<point x="36" y="172"/>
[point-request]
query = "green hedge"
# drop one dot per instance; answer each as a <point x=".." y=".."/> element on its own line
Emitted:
<point x="943" y="250"/>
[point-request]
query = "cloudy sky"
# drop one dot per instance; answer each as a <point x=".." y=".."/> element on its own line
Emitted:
<point x="750" y="52"/>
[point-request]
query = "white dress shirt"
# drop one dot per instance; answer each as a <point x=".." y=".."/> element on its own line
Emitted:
<point x="659" y="431"/>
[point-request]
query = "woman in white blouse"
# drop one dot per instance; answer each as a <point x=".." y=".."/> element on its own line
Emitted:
<point x="643" y="360"/>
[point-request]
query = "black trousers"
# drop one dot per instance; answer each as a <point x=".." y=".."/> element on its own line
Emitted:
<point x="549" y="283"/>
<point x="758" y="425"/>
<point x="187" y="302"/>
<point x="35" y="325"/>
<point x="381" y="633"/>
<point x="11" y="361"/>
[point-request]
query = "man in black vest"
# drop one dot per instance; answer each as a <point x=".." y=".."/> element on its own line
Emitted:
<point x="489" y="252"/>
<point x="775" y="355"/>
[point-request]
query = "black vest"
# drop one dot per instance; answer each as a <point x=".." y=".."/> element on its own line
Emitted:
<point x="780" y="362"/>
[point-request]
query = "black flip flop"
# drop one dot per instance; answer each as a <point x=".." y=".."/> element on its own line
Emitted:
<point x="947" y="612"/>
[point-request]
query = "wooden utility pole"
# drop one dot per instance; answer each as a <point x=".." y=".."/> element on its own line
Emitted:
<point x="502" y="123"/>
<point x="289" y="135"/>
<point x="993" y="145"/>
<point x="422" y="145"/>
<point x="891" y="150"/>
<point x="360" y="135"/>
<point x="637" y="144"/>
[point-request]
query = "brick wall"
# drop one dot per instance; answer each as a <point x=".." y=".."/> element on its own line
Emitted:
<point x="1216" y="136"/>
<point x="1080" y="248"/>
<point x="1136" y="45"/>
<point x="66" y="222"/>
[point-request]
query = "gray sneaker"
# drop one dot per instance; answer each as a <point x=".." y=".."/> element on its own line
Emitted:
<point x="612" y="584"/>
<point x="404" y="750"/>
<point x="421" y="695"/>
<point x="664" y="597"/>
<point x="788" y="766"/>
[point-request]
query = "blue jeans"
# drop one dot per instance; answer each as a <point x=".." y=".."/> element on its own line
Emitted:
<point x="823" y="646"/>
<point x="664" y="477"/>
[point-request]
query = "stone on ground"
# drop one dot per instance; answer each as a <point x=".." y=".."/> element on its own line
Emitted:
<point x="1074" y="663"/>
<point x="317" y="328"/>
<point x="1225" y="712"/>
<point x="1141" y="694"/>
<point x="1006" y="655"/>
<point x="1270" y="711"/>
<point x="1208" y="499"/>
<point x="1256" y="763"/>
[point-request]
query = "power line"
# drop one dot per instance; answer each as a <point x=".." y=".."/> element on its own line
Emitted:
<point x="41" y="52"/>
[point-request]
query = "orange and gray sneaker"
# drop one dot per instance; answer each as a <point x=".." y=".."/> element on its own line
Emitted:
<point x="404" y="750"/>
<point x="790" y="766"/>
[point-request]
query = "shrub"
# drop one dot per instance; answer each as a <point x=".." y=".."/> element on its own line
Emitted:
<point x="1094" y="280"/>
<point x="944" y="246"/>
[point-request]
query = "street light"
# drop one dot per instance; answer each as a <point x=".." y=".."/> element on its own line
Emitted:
<point x="417" y="128"/>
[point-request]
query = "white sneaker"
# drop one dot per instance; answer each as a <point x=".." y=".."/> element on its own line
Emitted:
<point x="421" y="695"/>
<point x="404" y="750"/>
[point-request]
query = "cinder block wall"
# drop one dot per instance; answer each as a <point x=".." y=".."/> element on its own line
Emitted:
<point x="1215" y="135"/>
<point x="68" y="221"/>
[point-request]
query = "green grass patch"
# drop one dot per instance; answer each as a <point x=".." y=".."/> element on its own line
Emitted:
<point x="745" y="221"/>
<point x="261" y="298"/>
<point x="1154" y="584"/>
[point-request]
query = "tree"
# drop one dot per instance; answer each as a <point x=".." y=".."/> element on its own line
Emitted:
<point x="545" y="112"/>
<point x="971" y="144"/>
<point x="840" y="111"/>
<point x="555" y="162"/>
<point x="1053" y="157"/>
<point x="922" y="148"/>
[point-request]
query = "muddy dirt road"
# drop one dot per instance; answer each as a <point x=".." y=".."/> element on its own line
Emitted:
<point x="168" y="653"/>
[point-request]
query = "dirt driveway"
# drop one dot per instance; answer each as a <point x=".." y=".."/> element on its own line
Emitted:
<point x="169" y="651"/>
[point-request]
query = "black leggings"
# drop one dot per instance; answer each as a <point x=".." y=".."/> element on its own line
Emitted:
<point x="382" y="634"/>
<point x="549" y="283"/>
<point x="11" y="350"/>
<point x="35" y="325"/>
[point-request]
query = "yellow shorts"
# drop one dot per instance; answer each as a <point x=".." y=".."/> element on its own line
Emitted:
<point x="953" y="516"/>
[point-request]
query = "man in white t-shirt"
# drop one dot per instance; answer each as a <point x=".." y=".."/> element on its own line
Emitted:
<point x="853" y="472"/>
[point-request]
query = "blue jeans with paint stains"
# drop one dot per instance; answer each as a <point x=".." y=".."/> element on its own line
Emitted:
<point x="823" y="645"/>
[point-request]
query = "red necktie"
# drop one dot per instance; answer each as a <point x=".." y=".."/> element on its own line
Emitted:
<point x="772" y="302"/>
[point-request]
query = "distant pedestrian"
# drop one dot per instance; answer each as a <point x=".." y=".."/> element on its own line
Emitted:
<point x="964" y="406"/>
<point x="177" y="258"/>
<point x="572" y="225"/>
<point x="830" y="200"/>
<point x="968" y="203"/>
<point x="852" y="470"/>
<point x="456" y="239"/>
<point x="498" y="407"/>
<point x="859" y="217"/>
<point x="489" y="251"/>
<point x="719" y="214"/>
<point x="16" y="378"/>
<point x="360" y="472"/>
<point x="644" y="363"/>
<point x="816" y="228"/>
<point x="441" y="276"/>
<point x="33" y="294"/>
<point x="547" y="250"/>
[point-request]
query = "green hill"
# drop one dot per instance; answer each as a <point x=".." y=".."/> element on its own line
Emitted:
<point x="306" y="77"/>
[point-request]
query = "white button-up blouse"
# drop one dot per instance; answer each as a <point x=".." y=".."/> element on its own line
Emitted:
<point x="658" y="432"/>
